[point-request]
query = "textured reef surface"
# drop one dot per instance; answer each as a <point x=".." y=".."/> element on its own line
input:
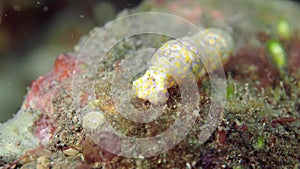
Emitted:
<point x="259" y="127"/>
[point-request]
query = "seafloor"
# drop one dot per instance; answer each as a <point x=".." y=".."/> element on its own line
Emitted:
<point x="259" y="128"/>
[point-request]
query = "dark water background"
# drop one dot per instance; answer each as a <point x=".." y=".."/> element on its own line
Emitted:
<point x="34" y="32"/>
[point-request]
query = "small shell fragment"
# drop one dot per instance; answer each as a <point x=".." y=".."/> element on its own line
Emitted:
<point x="93" y="120"/>
<point x="71" y="151"/>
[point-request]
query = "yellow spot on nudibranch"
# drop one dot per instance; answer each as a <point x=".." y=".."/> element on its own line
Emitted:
<point x="177" y="64"/>
<point x="212" y="41"/>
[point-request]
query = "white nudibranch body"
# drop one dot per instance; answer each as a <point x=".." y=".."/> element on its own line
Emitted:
<point x="183" y="56"/>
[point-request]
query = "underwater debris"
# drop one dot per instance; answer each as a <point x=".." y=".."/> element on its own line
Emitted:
<point x="187" y="57"/>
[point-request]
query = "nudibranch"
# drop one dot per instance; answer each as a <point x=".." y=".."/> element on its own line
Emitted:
<point x="184" y="55"/>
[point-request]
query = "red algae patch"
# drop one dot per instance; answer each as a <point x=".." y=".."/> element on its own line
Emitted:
<point x="45" y="89"/>
<point x="252" y="63"/>
<point x="43" y="93"/>
<point x="44" y="129"/>
<point x="294" y="56"/>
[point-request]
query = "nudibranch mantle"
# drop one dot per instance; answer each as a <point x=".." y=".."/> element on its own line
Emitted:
<point x="183" y="56"/>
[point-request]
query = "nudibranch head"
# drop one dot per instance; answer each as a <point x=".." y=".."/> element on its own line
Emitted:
<point x="152" y="86"/>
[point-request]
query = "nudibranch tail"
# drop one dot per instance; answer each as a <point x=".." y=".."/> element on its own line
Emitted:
<point x="182" y="56"/>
